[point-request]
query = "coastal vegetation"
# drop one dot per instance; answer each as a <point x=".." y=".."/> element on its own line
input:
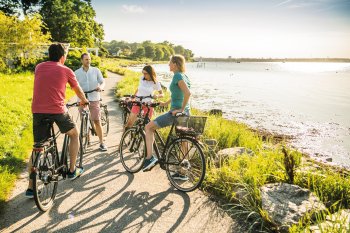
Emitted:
<point x="237" y="181"/>
<point x="146" y="50"/>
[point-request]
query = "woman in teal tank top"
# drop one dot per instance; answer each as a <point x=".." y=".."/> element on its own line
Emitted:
<point x="179" y="102"/>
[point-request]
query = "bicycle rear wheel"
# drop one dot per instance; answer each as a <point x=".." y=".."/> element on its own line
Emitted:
<point x="44" y="179"/>
<point x="104" y="120"/>
<point x="125" y="116"/>
<point x="132" y="150"/>
<point x="185" y="164"/>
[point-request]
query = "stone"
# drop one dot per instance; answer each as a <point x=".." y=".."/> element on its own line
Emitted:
<point x="286" y="204"/>
<point x="232" y="152"/>
<point x="217" y="112"/>
<point x="337" y="222"/>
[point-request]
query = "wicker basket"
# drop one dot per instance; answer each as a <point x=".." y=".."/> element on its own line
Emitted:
<point x="193" y="125"/>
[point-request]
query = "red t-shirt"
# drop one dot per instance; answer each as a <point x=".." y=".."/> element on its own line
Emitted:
<point x="50" y="83"/>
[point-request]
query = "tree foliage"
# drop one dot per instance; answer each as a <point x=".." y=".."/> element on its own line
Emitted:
<point x="12" y="7"/>
<point x="147" y="49"/>
<point x="72" y="21"/>
<point x="21" y="41"/>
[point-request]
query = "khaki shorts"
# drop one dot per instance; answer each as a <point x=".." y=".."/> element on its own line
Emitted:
<point x="95" y="111"/>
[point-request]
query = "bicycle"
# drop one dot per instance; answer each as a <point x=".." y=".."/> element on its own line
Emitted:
<point x="87" y="125"/>
<point x="126" y="105"/>
<point x="48" y="165"/>
<point x="181" y="157"/>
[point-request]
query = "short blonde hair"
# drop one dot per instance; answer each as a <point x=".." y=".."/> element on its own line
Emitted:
<point x="179" y="61"/>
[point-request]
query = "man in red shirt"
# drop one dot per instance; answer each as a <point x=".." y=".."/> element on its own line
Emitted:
<point x="49" y="95"/>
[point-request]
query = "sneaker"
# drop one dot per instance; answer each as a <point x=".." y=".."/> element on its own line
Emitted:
<point x="178" y="176"/>
<point x="29" y="193"/>
<point x="103" y="147"/>
<point x="78" y="171"/>
<point x="149" y="163"/>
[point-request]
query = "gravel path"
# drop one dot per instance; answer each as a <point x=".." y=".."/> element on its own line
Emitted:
<point x="108" y="199"/>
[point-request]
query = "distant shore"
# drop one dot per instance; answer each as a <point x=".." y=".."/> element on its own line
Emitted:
<point x="238" y="60"/>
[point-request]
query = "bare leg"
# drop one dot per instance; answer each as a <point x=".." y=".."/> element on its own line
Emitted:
<point x="131" y="120"/>
<point x="150" y="128"/>
<point x="73" y="147"/>
<point x="99" y="130"/>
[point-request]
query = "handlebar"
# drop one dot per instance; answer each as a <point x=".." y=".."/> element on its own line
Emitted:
<point x="87" y="92"/>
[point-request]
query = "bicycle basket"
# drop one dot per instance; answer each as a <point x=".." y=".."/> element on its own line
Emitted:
<point x="192" y="125"/>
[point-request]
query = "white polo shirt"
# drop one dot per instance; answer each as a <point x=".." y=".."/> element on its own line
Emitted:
<point x="90" y="80"/>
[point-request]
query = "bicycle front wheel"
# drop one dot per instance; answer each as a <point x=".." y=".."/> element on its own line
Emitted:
<point x="132" y="150"/>
<point x="104" y="120"/>
<point x="185" y="164"/>
<point x="44" y="180"/>
<point x="84" y="133"/>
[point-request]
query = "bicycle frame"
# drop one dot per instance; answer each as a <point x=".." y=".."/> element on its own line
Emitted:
<point x="141" y="123"/>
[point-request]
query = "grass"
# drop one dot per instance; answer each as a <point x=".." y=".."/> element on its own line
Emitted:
<point x="15" y="128"/>
<point x="238" y="180"/>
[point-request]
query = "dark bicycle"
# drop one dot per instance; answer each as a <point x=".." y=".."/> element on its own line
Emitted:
<point x="182" y="157"/>
<point x="87" y="125"/>
<point x="49" y="165"/>
<point x="126" y="104"/>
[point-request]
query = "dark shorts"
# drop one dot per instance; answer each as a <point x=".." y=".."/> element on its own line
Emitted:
<point x="41" y="130"/>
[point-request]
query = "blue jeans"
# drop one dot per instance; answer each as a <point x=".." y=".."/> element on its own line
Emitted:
<point x="167" y="119"/>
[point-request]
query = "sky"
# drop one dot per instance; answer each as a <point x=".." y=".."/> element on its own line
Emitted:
<point x="236" y="28"/>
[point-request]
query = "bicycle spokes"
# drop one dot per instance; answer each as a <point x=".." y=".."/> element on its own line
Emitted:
<point x="132" y="150"/>
<point x="185" y="164"/>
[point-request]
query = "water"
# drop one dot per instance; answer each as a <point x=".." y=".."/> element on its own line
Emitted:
<point x="308" y="101"/>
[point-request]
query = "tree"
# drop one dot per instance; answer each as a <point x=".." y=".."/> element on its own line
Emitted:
<point x="11" y="7"/>
<point x="140" y="53"/>
<point x="72" y="21"/>
<point x="149" y="52"/>
<point x="21" y="41"/>
<point x="159" y="54"/>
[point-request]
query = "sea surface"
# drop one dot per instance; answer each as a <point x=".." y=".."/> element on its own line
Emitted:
<point x="309" y="101"/>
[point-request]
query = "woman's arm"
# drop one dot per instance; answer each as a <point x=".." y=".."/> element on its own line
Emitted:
<point x="160" y="95"/>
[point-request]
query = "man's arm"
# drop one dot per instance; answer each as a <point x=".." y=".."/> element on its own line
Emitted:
<point x="80" y="93"/>
<point x="100" y="80"/>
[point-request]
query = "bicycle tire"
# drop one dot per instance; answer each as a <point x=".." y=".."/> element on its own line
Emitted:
<point x="84" y="133"/>
<point x="44" y="180"/>
<point x="105" y="120"/>
<point x="132" y="150"/>
<point x="185" y="164"/>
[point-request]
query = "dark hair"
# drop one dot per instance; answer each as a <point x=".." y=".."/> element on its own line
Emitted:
<point x="150" y="70"/>
<point x="56" y="51"/>
<point x="84" y="54"/>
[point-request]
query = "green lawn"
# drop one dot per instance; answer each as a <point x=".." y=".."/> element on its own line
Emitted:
<point x="15" y="128"/>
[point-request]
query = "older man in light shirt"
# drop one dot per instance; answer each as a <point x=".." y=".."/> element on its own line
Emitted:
<point x="90" y="78"/>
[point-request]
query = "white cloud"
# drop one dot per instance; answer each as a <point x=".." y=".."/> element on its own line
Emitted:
<point x="133" y="9"/>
